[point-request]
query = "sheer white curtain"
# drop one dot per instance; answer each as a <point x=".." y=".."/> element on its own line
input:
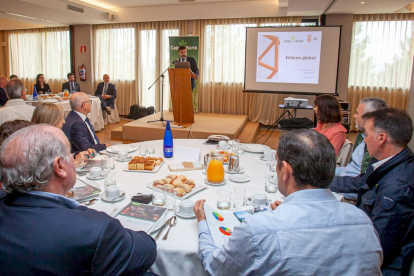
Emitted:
<point x="165" y="62"/>
<point x="40" y="51"/>
<point x="115" y="55"/>
<point x="381" y="59"/>
<point x="147" y="67"/>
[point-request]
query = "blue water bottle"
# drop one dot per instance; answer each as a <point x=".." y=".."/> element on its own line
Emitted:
<point x="168" y="142"/>
<point x="34" y="94"/>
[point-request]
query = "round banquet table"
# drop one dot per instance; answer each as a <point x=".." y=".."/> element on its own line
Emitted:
<point x="178" y="255"/>
<point x="95" y="116"/>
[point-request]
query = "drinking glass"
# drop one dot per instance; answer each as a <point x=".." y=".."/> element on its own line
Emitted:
<point x="223" y="199"/>
<point x="142" y="149"/>
<point x="158" y="197"/>
<point x="215" y="169"/>
<point x="271" y="183"/>
<point x="239" y="195"/>
<point x="105" y="165"/>
<point x="111" y="162"/>
<point x="111" y="189"/>
<point x="170" y="200"/>
<point x="150" y="147"/>
<point x="271" y="162"/>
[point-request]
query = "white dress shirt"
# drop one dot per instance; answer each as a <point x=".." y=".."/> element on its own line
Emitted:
<point x="16" y="109"/>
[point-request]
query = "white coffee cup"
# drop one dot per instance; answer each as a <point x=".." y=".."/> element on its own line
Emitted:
<point x="257" y="199"/>
<point x="95" y="172"/>
<point x="223" y="144"/>
<point x="187" y="207"/>
<point x="112" y="192"/>
<point x="122" y="155"/>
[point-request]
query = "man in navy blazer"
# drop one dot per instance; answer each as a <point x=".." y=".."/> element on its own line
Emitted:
<point x="71" y="85"/>
<point x="3" y="95"/>
<point x="77" y="127"/>
<point x="46" y="233"/>
<point x="182" y="51"/>
<point x="107" y="94"/>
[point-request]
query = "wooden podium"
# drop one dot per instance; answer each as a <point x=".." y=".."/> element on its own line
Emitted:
<point x="181" y="96"/>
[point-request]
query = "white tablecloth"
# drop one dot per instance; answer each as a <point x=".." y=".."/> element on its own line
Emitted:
<point x="179" y="254"/>
<point x="95" y="116"/>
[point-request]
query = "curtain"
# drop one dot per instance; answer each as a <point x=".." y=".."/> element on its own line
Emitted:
<point x="4" y="54"/>
<point x="40" y="51"/>
<point x="115" y="55"/>
<point x="222" y="52"/>
<point x="381" y="59"/>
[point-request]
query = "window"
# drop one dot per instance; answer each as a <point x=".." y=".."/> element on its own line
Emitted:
<point x="38" y="51"/>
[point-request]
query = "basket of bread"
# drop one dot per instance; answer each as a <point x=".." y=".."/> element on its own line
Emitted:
<point x="144" y="164"/>
<point x="178" y="186"/>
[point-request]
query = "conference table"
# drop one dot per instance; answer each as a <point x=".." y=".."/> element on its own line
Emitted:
<point x="95" y="116"/>
<point x="179" y="253"/>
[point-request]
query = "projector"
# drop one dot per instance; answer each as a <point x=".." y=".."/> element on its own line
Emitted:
<point x="292" y="102"/>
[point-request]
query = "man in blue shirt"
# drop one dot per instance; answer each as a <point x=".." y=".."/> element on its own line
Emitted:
<point x="310" y="233"/>
<point x="45" y="233"/>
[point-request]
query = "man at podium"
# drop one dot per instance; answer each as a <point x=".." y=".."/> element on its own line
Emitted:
<point x="182" y="51"/>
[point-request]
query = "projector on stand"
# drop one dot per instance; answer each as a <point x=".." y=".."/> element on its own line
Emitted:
<point x="296" y="102"/>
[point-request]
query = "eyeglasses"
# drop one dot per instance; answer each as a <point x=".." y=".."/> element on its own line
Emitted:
<point x="90" y="101"/>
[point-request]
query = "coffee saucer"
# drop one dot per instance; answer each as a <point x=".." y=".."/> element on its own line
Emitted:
<point x="240" y="178"/>
<point x="226" y="148"/>
<point x="119" y="198"/>
<point x="88" y="176"/>
<point x="124" y="160"/>
<point x="215" y="184"/>
<point x="177" y="213"/>
<point x="241" y="170"/>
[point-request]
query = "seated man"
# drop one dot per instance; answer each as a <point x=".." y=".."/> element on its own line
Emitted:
<point x="107" y="94"/>
<point x="49" y="234"/>
<point x="386" y="190"/>
<point x="16" y="107"/>
<point x="71" y="85"/>
<point x="3" y="96"/>
<point x="310" y="233"/>
<point x="77" y="126"/>
<point x="360" y="156"/>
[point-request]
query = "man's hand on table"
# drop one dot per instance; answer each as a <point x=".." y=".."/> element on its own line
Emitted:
<point x="199" y="210"/>
<point x="106" y="96"/>
<point x="275" y="204"/>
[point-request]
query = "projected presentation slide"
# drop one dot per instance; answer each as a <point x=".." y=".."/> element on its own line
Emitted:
<point x="288" y="57"/>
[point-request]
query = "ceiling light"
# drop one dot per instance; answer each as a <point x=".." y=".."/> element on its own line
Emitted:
<point x="30" y="17"/>
<point x="362" y="3"/>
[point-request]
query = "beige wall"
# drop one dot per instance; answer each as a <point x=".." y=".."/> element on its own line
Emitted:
<point x="83" y="37"/>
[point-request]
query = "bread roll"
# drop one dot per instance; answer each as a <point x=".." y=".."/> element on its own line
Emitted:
<point x="157" y="162"/>
<point x="186" y="187"/>
<point x="172" y="176"/>
<point x="180" y="192"/>
<point x="168" y="186"/>
<point x="168" y="180"/>
<point x="190" y="182"/>
<point x="177" y="182"/>
<point x="183" y="178"/>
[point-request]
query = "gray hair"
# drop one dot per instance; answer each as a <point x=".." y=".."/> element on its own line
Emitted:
<point x="76" y="101"/>
<point x="372" y="104"/>
<point x="26" y="158"/>
<point x="14" y="89"/>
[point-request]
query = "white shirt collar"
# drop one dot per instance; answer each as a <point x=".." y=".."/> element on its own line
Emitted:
<point x="380" y="163"/>
<point x="83" y="116"/>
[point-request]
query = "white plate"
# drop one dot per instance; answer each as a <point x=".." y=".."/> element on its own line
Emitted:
<point x="177" y="212"/>
<point x="215" y="184"/>
<point x="118" y="148"/>
<point x="196" y="189"/>
<point x="124" y="160"/>
<point x="254" y="148"/>
<point x="155" y="170"/>
<point x="88" y="176"/>
<point x="103" y="197"/>
<point x="241" y="170"/>
<point x="240" y="178"/>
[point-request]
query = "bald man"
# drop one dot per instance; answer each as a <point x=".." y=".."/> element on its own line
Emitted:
<point x="78" y="128"/>
<point x="107" y="94"/>
<point x="3" y="95"/>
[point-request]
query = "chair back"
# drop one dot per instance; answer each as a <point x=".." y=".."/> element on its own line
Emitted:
<point x="345" y="153"/>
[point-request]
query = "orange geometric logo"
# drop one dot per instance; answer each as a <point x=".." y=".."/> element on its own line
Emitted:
<point x="274" y="42"/>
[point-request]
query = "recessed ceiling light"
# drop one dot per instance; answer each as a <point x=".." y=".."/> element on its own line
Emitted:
<point x="362" y="3"/>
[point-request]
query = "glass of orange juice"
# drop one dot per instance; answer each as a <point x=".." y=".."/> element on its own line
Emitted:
<point x="65" y="93"/>
<point x="215" y="169"/>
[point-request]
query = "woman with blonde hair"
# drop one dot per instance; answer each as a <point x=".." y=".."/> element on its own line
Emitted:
<point x="52" y="114"/>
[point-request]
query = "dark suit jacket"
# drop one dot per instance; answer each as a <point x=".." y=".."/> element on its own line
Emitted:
<point x="44" y="236"/>
<point x="46" y="88"/>
<point x="194" y="69"/>
<point x="78" y="134"/>
<point x="3" y="96"/>
<point x="111" y="91"/>
<point x="66" y="85"/>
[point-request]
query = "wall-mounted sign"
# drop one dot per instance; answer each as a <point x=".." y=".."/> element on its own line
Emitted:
<point x="83" y="49"/>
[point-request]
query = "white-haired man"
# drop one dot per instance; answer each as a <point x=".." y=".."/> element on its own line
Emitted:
<point x="45" y="233"/>
<point x="16" y="107"/>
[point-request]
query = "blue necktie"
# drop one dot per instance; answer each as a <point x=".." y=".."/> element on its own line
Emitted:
<point x="91" y="127"/>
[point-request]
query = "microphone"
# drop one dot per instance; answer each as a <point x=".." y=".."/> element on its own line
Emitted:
<point x="175" y="60"/>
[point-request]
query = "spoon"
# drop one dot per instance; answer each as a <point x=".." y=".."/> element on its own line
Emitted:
<point x="91" y="201"/>
<point x="172" y="223"/>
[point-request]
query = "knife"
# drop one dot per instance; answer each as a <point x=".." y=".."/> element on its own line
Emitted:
<point x="162" y="229"/>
